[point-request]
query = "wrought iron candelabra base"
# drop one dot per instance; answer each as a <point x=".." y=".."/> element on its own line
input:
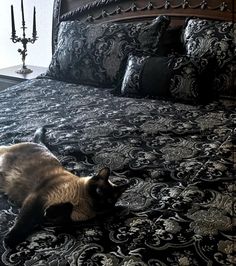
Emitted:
<point x="24" y="70"/>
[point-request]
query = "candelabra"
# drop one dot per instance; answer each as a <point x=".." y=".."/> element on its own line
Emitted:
<point x="23" y="39"/>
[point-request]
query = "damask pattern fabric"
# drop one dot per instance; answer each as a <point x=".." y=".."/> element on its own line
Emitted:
<point x="131" y="84"/>
<point x="215" y="40"/>
<point x="94" y="53"/>
<point x="178" y="158"/>
<point x="189" y="80"/>
<point x="181" y="78"/>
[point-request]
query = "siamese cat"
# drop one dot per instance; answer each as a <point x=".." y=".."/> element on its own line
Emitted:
<point x="33" y="178"/>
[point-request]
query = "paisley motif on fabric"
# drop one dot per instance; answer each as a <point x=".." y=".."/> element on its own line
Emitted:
<point x="94" y="54"/>
<point x="214" y="40"/>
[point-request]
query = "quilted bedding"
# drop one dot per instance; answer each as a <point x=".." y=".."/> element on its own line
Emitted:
<point x="179" y="159"/>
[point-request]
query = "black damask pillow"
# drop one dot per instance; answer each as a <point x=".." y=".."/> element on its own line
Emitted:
<point x="93" y="54"/>
<point x="215" y="40"/>
<point x="180" y="78"/>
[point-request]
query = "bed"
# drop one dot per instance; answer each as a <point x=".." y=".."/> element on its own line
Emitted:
<point x="176" y="146"/>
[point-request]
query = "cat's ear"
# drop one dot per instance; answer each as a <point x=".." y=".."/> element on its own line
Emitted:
<point x="103" y="174"/>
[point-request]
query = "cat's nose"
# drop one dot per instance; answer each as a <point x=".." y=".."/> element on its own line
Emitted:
<point x="111" y="201"/>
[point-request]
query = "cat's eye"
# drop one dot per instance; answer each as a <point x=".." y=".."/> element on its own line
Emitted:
<point x="99" y="191"/>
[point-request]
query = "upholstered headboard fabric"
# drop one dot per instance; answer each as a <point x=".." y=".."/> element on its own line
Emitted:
<point x="125" y="10"/>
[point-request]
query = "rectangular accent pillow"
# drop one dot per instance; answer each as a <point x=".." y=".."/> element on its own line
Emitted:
<point x="215" y="40"/>
<point x="93" y="54"/>
<point x="180" y="78"/>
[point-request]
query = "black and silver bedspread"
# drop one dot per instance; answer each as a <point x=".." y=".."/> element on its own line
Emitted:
<point x="178" y="157"/>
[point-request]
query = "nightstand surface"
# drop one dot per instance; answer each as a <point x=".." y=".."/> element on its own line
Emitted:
<point x="9" y="77"/>
<point x="10" y="72"/>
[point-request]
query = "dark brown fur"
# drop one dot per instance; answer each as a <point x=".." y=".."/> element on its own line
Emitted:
<point x="32" y="177"/>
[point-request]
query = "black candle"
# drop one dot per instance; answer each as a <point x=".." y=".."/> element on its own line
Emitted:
<point x="34" y="24"/>
<point x="22" y="11"/>
<point x="13" y="30"/>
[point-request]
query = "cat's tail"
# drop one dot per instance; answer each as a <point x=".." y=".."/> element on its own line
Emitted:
<point x="39" y="136"/>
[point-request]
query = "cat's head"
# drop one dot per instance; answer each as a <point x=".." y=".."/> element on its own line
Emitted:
<point x="104" y="194"/>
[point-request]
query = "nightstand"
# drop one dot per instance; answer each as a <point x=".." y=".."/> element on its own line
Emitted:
<point x="9" y="77"/>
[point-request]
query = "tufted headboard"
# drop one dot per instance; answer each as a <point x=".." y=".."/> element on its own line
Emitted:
<point x="126" y="10"/>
